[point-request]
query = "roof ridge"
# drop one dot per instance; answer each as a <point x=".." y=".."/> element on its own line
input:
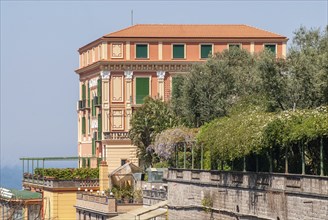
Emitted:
<point x="264" y="30"/>
<point x="124" y="29"/>
<point x="190" y="25"/>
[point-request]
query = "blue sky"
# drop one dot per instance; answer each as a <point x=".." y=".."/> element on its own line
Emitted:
<point x="39" y="42"/>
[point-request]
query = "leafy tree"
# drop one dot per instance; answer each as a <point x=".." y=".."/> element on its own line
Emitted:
<point x="150" y="119"/>
<point x="168" y="141"/>
<point x="300" y="81"/>
<point x="273" y="76"/>
<point x="308" y="67"/>
<point x="211" y="88"/>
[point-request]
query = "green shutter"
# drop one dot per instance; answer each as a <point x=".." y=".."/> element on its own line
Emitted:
<point x="142" y="51"/>
<point x="99" y="91"/>
<point x="271" y="47"/>
<point x="142" y="89"/>
<point x="206" y="50"/>
<point x="88" y="96"/>
<point x="83" y="92"/>
<point x="99" y="127"/>
<point x="236" y="46"/>
<point x="93" y="146"/>
<point x="89" y="124"/>
<point x="93" y="109"/>
<point x="83" y="162"/>
<point x="178" y="51"/>
<point x="83" y="125"/>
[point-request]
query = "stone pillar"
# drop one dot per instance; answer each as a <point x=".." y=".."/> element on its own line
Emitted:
<point x="112" y="207"/>
<point x="128" y="99"/>
<point x="160" y="88"/>
<point x="103" y="176"/>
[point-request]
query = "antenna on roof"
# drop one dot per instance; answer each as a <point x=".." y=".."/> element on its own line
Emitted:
<point x="131" y="17"/>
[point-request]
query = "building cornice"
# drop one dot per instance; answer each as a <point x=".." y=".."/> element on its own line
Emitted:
<point x="144" y="66"/>
<point x="195" y="39"/>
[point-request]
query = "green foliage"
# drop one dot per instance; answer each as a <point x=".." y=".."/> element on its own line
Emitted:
<point x="254" y="132"/>
<point x="207" y="202"/>
<point x="68" y="173"/>
<point x="124" y="193"/>
<point x="167" y="141"/>
<point x="153" y="117"/>
<point x="300" y="81"/>
<point x="211" y="88"/>
<point x="162" y="164"/>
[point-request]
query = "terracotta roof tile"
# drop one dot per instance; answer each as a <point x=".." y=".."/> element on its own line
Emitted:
<point x="192" y="30"/>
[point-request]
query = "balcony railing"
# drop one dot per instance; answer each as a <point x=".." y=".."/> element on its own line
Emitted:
<point x="53" y="183"/>
<point x="82" y="104"/>
<point x="92" y="198"/>
<point x="155" y="194"/>
<point x="116" y="135"/>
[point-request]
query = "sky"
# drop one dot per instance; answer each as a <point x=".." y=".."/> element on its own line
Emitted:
<point x="39" y="43"/>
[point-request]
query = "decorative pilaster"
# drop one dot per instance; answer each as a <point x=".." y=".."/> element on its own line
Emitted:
<point x="252" y="48"/>
<point x="160" y="50"/>
<point x="284" y="49"/>
<point x="160" y="77"/>
<point x="128" y="99"/>
<point x="105" y="108"/>
<point x="127" y="50"/>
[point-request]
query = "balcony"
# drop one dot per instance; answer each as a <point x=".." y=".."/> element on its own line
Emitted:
<point x="116" y="135"/>
<point x="30" y="181"/>
<point x="97" y="101"/>
<point x="82" y="104"/>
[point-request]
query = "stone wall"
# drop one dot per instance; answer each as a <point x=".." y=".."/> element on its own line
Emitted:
<point x="199" y="194"/>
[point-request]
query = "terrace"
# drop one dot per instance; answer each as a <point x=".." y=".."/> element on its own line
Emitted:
<point x="38" y="178"/>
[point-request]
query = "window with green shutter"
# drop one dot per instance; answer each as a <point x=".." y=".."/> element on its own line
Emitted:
<point x="99" y="127"/>
<point x="89" y="124"/>
<point x="270" y="47"/>
<point x="205" y="50"/>
<point x="142" y="51"/>
<point x="235" y="46"/>
<point x="83" y="162"/>
<point x="83" y="92"/>
<point x="142" y="89"/>
<point x="88" y="96"/>
<point x="93" y="145"/>
<point x="83" y="125"/>
<point x="99" y="91"/>
<point x="178" y="51"/>
<point x="93" y="108"/>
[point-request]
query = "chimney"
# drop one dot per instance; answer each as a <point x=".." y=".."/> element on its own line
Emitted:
<point x="103" y="176"/>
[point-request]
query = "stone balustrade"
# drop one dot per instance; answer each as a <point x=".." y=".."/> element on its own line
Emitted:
<point x="246" y="195"/>
<point x="116" y="135"/>
<point x="53" y="183"/>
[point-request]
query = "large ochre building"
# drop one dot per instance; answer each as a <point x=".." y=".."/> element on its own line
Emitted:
<point x="119" y="69"/>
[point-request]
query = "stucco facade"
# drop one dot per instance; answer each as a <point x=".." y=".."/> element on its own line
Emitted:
<point x="118" y="70"/>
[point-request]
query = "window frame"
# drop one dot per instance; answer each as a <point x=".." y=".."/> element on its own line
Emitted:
<point x="275" y="44"/>
<point x="184" y="51"/>
<point x="135" y="87"/>
<point x="135" y="51"/>
<point x="230" y="44"/>
<point x="200" y="50"/>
